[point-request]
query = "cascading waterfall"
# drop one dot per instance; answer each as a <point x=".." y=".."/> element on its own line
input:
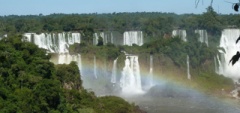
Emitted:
<point x="188" y="70"/>
<point x="181" y="33"/>
<point x="220" y="66"/>
<point x="114" y="72"/>
<point x="107" y="37"/>
<point x="97" y="36"/>
<point x="203" y="36"/>
<point x="130" y="81"/>
<point x="151" y="71"/>
<point x="54" y="43"/>
<point x="79" y="62"/>
<point x="64" y="58"/>
<point x="95" y="39"/>
<point x="113" y="37"/>
<point x="95" y="67"/>
<point x="133" y="37"/>
<point x="228" y="43"/>
<point x="127" y="38"/>
<point x="67" y="58"/>
<point x="57" y="43"/>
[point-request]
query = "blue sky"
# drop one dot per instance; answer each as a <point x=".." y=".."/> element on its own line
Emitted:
<point x="46" y="7"/>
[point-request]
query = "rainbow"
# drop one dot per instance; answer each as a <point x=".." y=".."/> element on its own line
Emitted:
<point x="167" y="93"/>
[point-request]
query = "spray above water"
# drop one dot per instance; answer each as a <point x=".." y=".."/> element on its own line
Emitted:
<point x="151" y="72"/>
<point x="130" y="81"/>
<point x="95" y="67"/>
<point x="114" y="71"/>
<point x="228" y="43"/>
<point x="188" y="70"/>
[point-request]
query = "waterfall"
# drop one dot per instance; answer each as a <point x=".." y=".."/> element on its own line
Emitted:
<point x="53" y="42"/>
<point x="112" y="38"/>
<point x="133" y="37"/>
<point x="181" y="33"/>
<point x="79" y="63"/>
<point x="130" y="81"/>
<point x="114" y="71"/>
<point x="127" y="38"/>
<point x="95" y="67"/>
<point x="220" y="66"/>
<point x="151" y="71"/>
<point x="67" y="58"/>
<point x="188" y="70"/>
<point x="57" y="43"/>
<point x="228" y="43"/>
<point x="62" y="59"/>
<point x="203" y="36"/>
<point x="95" y="39"/>
<point x="106" y="36"/>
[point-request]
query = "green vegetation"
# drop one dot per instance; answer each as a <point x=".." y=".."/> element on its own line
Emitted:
<point x="30" y="83"/>
<point x="153" y="24"/>
<point x="169" y="54"/>
<point x="109" y="51"/>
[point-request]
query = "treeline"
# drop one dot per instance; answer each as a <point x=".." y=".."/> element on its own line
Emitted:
<point x="151" y="23"/>
<point x="30" y="83"/>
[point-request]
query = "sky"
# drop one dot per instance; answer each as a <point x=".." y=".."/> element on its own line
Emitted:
<point x="46" y="7"/>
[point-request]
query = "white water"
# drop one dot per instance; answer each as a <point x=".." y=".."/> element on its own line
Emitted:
<point x="95" y="67"/>
<point x="188" y="70"/>
<point x="57" y="43"/>
<point x="67" y="58"/>
<point x="151" y="71"/>
<point x="133" y="37"/>
<point x="79" y="62"/>
<point x="53" y="42"/>
<point x="114" y="72"/>
<point x="181" y="33"/>
<point x="130" y="81"/>
<point x="107" y="38"/>
<point x="220" y="66"/>
<point x="203" y="36"/>
<point x="228" y="43"/>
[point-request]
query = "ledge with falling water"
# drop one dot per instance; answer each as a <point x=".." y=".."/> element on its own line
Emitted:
<point x="130" y="81"/>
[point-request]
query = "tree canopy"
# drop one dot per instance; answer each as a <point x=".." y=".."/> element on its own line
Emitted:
<point x="30" y="83"/>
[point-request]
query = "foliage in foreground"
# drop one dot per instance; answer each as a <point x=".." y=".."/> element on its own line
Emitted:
<point x="30" y="83"/>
